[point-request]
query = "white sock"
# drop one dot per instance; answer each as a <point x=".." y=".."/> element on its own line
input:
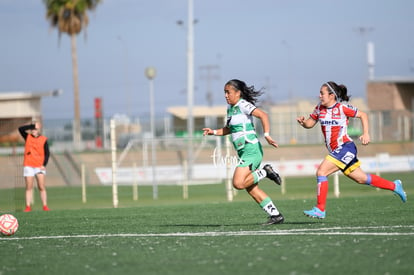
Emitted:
<point x="271" y="209"/>
<point x="258" y="175"/>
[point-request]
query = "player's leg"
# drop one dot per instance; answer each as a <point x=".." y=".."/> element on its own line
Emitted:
<point x="246" y="172"/>
<point x="266" y="203"/>
<point x="28" y="174"/>
<point x="29" y="192"/>
<point x="242" y="177"/>
<point x="326" y="168"/>
<point x="247" y="176"/>
<point x="353" y="171"/>
<point x="359" y="176"/>
<point x="251" y="156"/>
<point x="40" y="178"/>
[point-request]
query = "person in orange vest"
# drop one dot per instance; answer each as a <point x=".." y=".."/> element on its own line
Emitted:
<point x="36" y="156"/>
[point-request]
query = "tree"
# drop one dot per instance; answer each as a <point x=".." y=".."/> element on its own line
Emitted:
<point x="70" y="16"/>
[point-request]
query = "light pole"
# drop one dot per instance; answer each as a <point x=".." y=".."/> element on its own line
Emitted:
<point x="289" y="57"/>
<point x="364" y="31"/>
<point x="290" y="77"/>
<point x="126" y="77"/>
<point x="150" y="73"/>
<point x="190" y="87"/>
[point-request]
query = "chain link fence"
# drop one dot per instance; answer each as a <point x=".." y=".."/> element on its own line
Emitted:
<point x="209" y="160"/>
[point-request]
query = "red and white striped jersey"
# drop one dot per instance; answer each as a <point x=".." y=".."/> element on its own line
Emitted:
<point x="334" y="123"/>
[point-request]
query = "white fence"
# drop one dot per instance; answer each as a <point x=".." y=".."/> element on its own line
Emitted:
<point x="213" y="173"/>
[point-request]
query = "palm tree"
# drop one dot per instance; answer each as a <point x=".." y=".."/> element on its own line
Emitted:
<point x="70" y="16"/>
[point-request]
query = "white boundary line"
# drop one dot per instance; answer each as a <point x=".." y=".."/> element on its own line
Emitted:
<point x="343" y="231"/>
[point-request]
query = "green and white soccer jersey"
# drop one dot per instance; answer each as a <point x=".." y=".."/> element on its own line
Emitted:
<point x="240" y="123"/>
<point x="243" y="134"/>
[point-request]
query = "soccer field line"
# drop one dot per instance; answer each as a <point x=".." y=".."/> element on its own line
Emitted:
<point x="343" y="231"/>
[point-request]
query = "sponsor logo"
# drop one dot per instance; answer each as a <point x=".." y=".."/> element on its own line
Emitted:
<point x="348" y="157"/>
<point x="329" y="122"/>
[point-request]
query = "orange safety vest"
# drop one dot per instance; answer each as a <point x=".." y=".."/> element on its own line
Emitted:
<point x="34" y="152"/>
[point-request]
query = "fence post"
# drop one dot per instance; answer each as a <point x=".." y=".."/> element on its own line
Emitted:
<point x="83" y="183"/>
<point x="229" y="185"/>
<point x="186" y="179"/>
<point x="135" y="183"/>
<point x="114" y="166"/>
<point x="336" y="184"/>
<point x="283" y="178"/>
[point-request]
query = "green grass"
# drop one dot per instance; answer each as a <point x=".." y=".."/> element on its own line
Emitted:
<point x="367" y="231"/>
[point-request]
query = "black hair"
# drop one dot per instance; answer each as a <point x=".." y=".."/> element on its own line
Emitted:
<point x="340" y="91"/>
<point x="248" y="93"/>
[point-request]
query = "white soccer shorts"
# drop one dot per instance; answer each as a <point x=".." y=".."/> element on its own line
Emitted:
<point x="32" y="171"/>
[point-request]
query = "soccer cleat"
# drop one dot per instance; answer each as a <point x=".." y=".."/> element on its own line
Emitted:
<point x="45" y="208"/>
<point x="271" y="174"/>
<point x="27" y="209"/>
<point x="315" y="213"/>
<point x="275" y="219"/>
<point x="398" y="190"/>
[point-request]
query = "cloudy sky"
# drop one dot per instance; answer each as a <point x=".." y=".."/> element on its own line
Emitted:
<point x="287" y="47"/>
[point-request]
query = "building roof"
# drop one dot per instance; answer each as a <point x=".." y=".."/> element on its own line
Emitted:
<point x="23" y="104"/>
<point x="393" y="79"/>
<point x="27" y="95"/>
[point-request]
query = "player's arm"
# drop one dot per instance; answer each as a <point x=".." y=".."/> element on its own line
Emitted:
<point x="23" y="130"/>
<point x="264" y="118"/>
<point x="47" y="154"/>
<point x="306" y="123"/>
<point x="364" y="138"/>
<point x="218" y="132"/>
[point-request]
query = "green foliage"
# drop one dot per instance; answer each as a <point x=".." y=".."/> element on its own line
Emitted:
<point x="80" y="6"/>
<point x="69" y="16"/>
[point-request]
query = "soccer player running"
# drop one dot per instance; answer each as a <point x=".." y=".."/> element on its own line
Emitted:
<point x="333" y="117"/>
<point x="36" y="157"/>
<point x="241" y="109"/>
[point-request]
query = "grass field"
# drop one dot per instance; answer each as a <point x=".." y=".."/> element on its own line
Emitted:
<point x="367" y="231"/>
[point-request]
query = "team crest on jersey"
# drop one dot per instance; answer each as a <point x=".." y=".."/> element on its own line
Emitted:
<point x="236" y="110"/>
<point x="336" y="114"/>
